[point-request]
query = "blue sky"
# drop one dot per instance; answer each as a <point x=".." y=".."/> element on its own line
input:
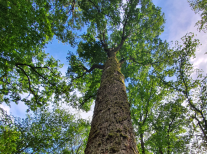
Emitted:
<point x="180" y="19"/>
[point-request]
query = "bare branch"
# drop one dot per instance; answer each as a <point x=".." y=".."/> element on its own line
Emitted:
<point x="93" y="67"/>
<point x="89" y="70"/>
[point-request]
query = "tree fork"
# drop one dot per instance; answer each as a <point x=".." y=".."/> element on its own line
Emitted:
<point x="111" y="127"/>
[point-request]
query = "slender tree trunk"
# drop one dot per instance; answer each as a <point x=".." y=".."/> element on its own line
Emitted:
<point x="111" y="127"/>
<point x="168" y="143"/>
<point x="142" y="143"/>
<point x="160" y="150"/>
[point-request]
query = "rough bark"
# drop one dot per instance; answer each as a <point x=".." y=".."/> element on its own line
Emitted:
<point x="111" y="127"/>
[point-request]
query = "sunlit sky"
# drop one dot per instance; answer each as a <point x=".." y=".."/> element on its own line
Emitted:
<point x="180" y="19"/>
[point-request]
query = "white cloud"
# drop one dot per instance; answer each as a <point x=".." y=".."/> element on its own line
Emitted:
<point x="5" y="107"/>
<point x="180" y="20"/>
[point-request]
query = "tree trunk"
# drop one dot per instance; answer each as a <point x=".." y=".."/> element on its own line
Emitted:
<point x="160" y="150"/>
<point x="111" y="127"/>
<point x="142" y="143"/>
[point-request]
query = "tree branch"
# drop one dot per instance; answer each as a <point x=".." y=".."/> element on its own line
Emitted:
<point x="186" y="93"/>
<point x="33" y="68"/>
<point x="124" y="37"/>
<point x="121" y="44"/>
<point x="86" y="99"/>
<point x="89" y="70"/>
<point x="99" y="11"/>
<point x="30" y="89"/>
<point x="93" y="67"/>
<point x="103" y="42"/>
<point x="122" y="61"/>
<point x="139" y="63"/>
<point x="171" y="122"/>
<point x="199" y="123"/>
<point x="146" y="108"/>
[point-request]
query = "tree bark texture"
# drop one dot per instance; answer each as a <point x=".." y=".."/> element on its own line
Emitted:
<point x="111" y="127"/>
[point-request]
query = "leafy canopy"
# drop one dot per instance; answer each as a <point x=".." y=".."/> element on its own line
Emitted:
<point x="27" y="73"/>
<point x="130" y="30"/>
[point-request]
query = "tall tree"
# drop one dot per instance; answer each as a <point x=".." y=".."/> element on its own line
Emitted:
<point x="145" y="93"/>
<point x="169" y="125"/>
<point x="192" y="91"/>
<point x="121" y="38"/>
<point x="154" y="116"/>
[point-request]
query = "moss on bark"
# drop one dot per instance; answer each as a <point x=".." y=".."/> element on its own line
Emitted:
<point x="111" y="128"/>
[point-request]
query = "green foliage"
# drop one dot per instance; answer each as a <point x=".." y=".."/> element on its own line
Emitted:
<point x="8" y="134"/>
<point x="200" y="6"/>
<point x="8" y="139"/>
<point x="26" y="70"/>
<point x="169" y="126"/>
<point x="129" y="29"/>
<point x="105" y="31"/>
<point x="158" y="112"/>
<point x="44" y="132"/>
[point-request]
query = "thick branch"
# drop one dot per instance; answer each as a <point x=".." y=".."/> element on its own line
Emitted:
<point x="121" y="44"/>
<point x="89" y="70"/>
<point x="93" y="67"/>
<point x="86" y="99"/>
<point x="124" y="36"/>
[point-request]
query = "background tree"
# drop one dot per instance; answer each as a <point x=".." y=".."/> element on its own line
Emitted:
<point x="47" y="131"/>
<point x="169" y="126"/>
<point x="200" y="6"/>
<point x="144" y="93"/>
<point x="192" y="91"/>
<point x="8" y="133"/>
<point x="154" y="115"/>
